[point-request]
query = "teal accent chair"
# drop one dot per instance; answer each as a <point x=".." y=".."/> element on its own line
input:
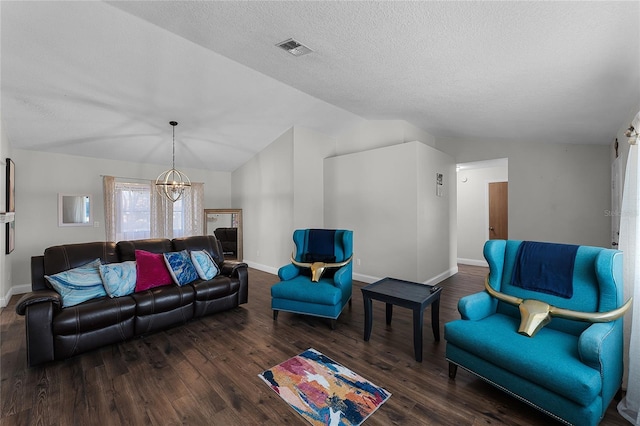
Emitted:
<point x="327" y="298"/>
<point x="569" y="369"/>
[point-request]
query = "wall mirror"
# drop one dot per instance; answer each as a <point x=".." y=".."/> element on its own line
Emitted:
<point x="226" y="225"/>
<point x="75" y="210"/>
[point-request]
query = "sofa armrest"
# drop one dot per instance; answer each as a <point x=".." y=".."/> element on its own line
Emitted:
<point x="230" y="267"/>
<point x="39" y="330"/>
<point x="40" y="296"/>
<point x="600" y="347"/>
<point x="239" y="270"/>
<point x="342" y="277"/>
<point x="288" y="272"/>
<point x="477" y="306"/>
<point x="593" y="343"/>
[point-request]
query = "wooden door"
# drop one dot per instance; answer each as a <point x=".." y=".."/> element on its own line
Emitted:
<point x="498" y="211"/>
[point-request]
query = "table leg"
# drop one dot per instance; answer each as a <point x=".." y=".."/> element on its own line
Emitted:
<point x="435" y="319"/>
<point x="389" y="313"/>
<point x="417" y="332"/>
<point x="368" y="320"/>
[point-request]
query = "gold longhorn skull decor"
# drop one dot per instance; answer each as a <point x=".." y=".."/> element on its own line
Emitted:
<point x="317" y="268"/>
<point x="535" y="314"/>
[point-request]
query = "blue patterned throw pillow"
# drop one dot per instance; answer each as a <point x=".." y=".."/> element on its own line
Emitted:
<point x="205" y="266"/>
<point x="79" y="284"/>
<point x="180" y="267"/>
<point x="119" y="279"/>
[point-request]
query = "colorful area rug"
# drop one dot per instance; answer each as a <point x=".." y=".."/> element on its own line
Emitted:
<point x="323" y="391"/>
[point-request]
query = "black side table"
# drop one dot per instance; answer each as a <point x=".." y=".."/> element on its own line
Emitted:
<point x="407" y="294"/>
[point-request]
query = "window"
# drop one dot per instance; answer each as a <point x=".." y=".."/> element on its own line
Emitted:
<point x="134" y="210"/>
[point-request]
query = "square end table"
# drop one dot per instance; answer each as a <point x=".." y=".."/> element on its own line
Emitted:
<point x="407" y="294"/>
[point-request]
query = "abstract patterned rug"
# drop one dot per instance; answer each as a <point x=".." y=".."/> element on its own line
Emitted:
<point x="323" y="391"/>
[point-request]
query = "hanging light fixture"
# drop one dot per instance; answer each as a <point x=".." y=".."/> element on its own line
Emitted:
<point x="172" y="182"/>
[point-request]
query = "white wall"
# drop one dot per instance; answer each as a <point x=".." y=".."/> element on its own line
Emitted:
<point x="293" y="168"/>
<point x="473" y="208"/>
<point x="380" y="133"/>
<point x="263" y="189"/>
<point x="437" y="218"/>
<point x="309" y="151"/>
<point x="387" y="196"/>
<point x="557" y="192"/>
<point x="41" y="176"/>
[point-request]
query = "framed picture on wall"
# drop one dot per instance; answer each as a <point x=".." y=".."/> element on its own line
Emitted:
<point x="11" y="185"/>
<point x="11" y="204"/>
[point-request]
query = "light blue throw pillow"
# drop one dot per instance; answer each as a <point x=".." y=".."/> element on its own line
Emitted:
<point x="205" y="266"/>
<point x="119" y="279"/>
<point x="79" y="284"/>
<point x="180" y="267"/>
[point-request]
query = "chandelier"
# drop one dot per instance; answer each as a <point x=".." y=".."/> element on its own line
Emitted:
<point x="172" y="182"/>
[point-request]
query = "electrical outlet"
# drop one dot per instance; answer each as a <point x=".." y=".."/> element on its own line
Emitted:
<point x="358" y="261"/>
<point x="96" y="224"/>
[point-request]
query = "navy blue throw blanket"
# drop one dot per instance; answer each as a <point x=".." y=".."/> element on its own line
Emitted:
<point x="545" y="267"/>
<point x="320" y="246"/>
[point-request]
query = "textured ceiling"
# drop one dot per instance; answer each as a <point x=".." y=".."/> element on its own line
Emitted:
<point x="104" y="79"/>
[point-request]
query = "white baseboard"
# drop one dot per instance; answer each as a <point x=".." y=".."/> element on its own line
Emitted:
<point x="441" y="277"/>
<point x="473" y="262"/>
<point x="16" y="289"/>
<point x="366" y="278"/>
<point x="261" y="267"/>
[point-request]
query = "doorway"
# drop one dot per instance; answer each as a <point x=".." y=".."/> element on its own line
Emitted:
<point x="473" y="203"/>
<point x="498" y="210"/>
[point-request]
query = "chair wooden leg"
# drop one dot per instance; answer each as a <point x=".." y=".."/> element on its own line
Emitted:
<point x="453" y="369"/>
<point x="275" y="314"/>
<point x="333" y="324"/>
<point x="350" y="300"/>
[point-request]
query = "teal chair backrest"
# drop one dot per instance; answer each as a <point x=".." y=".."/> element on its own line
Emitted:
<point x="597" y="282"/>
<point x="342" y="247"/>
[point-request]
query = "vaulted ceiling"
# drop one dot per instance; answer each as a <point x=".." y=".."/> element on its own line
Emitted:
<point x="103" y="79"/>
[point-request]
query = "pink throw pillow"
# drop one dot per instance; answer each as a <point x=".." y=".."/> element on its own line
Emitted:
<point x="151" y="271"/>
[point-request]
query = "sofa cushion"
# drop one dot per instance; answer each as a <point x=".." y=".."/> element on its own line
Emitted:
<point x="496" y="340"/>
<point x="119" y="279"/>
<point x="94" y="315"/>
<point x="205" y="266"/>
<point x="180" y="267"/>
<point x="79" y="284"/>
<point x="215" y="288"/>
<point x="163" y="299"/>
<point x="303" y="290"/>
<point x="93" y="324"/>
<point x="151" y="271"/>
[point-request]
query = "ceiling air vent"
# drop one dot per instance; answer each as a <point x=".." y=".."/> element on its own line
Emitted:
<point x="294" y="47"/>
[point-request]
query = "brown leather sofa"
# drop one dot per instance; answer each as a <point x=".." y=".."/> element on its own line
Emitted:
<point x="54" y="332"/>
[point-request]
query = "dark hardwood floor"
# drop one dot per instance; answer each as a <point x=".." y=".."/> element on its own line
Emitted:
<point x="206" y="372"/>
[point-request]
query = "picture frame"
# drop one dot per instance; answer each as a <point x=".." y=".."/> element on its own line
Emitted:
<point x="11" y="205"/>
<point x="11" y="188"/>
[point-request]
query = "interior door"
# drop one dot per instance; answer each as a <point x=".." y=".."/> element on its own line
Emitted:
<point x="498" y="210"/>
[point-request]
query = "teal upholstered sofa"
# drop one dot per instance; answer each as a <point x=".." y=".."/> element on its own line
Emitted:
<point x="570" y="369"/>
<point x="327" y="298"/>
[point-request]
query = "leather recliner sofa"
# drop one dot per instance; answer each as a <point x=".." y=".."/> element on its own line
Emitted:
<point x="56" y="332"/>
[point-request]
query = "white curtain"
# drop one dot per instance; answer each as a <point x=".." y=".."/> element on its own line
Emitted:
<point x="193" y="209"/>
<point x="161" y="215"/>
<point x="109" y="191"/>
<point x="629" y="407"/>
